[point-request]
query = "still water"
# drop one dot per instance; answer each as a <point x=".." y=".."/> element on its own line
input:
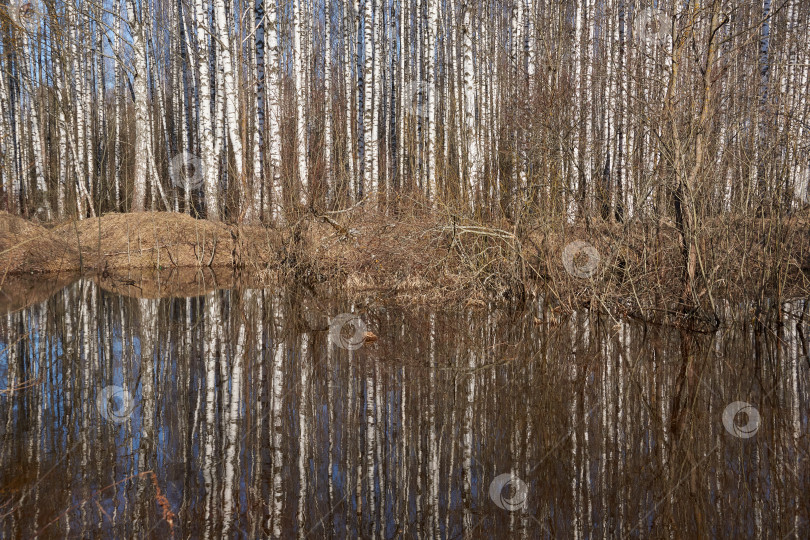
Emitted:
<point x="239" y="414"/>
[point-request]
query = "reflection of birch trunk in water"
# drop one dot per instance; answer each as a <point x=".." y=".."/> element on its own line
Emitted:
<point x="575" y="499"/>
<point x="85" y="357"/>
<point x="330" y="411"/>
<point x="575" y="492"/>
<point x="757" y="494"/>
<point x="586" y="409"/>
<point x="256" y="394"/>
<point x="620" y="428"/>
<point x="512" y="453"/>
<point x="353" y="448"/>
<point x="467" y="446"/>
<point x="233" y="412"/>
<point x="715" y="433"/>
<point x="605" y="416"/>
<point x="149" y="315"/>
<point x="433" y="457"/>
<point x="380" y="438"/>
<point x="527" y="443"/>
<point x="186" y="451"/>
<point x="663" y="420"/>
<point x="40" y="320"/>
<point x="585" y="458"/>
<point x="277" y="435"/>
<point x="420" y="460"/>
<point x="452" y="466"/>
<point x="370" y="442"/>
<point x="303" y="432"/>
<point x="513" y="438"/>
<point x="96" y="325"/>
<point x="213" y="330"/>
<point x="793" y="356"/>
<point x="404" y="474"/>
<point x="127" y="370"/>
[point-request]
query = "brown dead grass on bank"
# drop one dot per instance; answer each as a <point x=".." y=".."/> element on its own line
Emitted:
<point x="160" y="240"/>
<point x="423" y="256"/>
<point x="29" y="248"/>
<point x="641" y="264"/>
<point x="399" y="257"/>
<point x="434" y="257"/>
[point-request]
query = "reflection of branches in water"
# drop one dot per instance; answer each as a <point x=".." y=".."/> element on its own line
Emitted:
<point x="160" y="499"/>
<point x="253" y="422"/>
<point x="24" y="385"/>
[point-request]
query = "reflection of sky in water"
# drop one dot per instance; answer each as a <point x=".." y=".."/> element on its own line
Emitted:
<point x="254" y="425"/>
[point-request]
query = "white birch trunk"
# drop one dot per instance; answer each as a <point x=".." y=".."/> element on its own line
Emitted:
<point x="368" y="95"/>
<point x="377" y="87"/>
<point x="254" y="205"/>
<point x="300" y="100"/>
<point x="470" y="134"/>
<point x="229" y="86"/>
<point x="350" y="149"/>
<point x="206" y="126"/>
<point x="430" y="68"/>
<point x="274" y="112"/>
<point x="142" y="139"/>
<point x="328" y="102"/>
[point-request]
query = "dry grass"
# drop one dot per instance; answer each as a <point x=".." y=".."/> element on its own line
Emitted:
<point x="641" y="267"/>
<point x="151" y="240"/>
<point x="29" y="248"/>
<point x="418" y="255"/>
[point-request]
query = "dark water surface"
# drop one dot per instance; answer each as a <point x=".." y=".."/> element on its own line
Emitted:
<point x="238" y="414"/>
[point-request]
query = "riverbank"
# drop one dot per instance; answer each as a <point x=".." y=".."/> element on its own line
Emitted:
<point x="421" y="257"/>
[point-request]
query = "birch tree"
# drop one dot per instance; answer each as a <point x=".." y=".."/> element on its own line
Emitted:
<point x="143" y="142"/>
<point x="328" y="100"/>
<point x="301" y="149"/>
<point x="274" y="112"/>
<point x="205" y="122"/>
<point x="430" y="68"/>
<point x="369" y="145"/>
<point x="470" y="135"/>
<point x="568" y="111"/>
<point x="229" y="86"/>
<point x="253" y="209"/>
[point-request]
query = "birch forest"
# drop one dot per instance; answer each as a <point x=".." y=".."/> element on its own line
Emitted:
<point x="456" y="269"/>
<point x="252" y="111"/>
